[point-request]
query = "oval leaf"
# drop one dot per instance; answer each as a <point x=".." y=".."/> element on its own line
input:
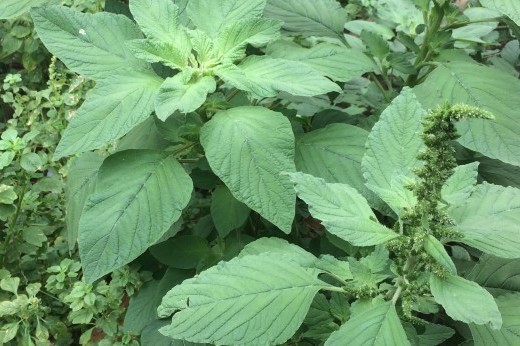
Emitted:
<point x="459" y="298"/>
<point x="89" y="44"/>
<point x="139" y="194"/>
<point x="248" y="148"/>
<point x="392" y="149"/>
<point x="342" y="210"/>
<point x="490" y="220"/>
<point x="260" y="300"/>
<point x="111" y="110"/>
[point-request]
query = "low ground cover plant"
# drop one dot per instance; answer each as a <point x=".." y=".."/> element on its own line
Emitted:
<point x="291" y="172"/>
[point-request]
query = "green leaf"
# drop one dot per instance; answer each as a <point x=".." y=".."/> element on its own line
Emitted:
<point x="111" y="110"/>
<point x="497" y="274"/>
<point x="392" y="149"/>
<point x="435" y="249"/>
<point x="231" y="42"/>
<point x="212" y="16"/>
<point x="10" y="284"/>
<point x="319" y="322"/>
<point x="265" y="77"/>
<point x="14" y="8"/>
<point x="339" y="63"/>
<point x="183" y="92"/>
<point x="6" y="158"/>
<point x="498" y="172"/>
<point x="461" y="184"/>
<point x="484" y="87"/>
<point x="433" y="335"/>
<point x="8" y="331"/>
<point x="157" y="18"/>
<point x="7" y="194"/>
<point x="334" y="153"/>
<point x="8" y="308"/>
<point x="166" y="53"/>
<point x="227" y="213"/>
<point x="489" y="220"/>
<point x="139" y="194"/>
<point x="334" y="266"/>
<point x="248" y="148"/>
<point x="510" y="8"/>
<point x="183" y="252"/>
<point x="308" y="17"/>
<point x="282" y="248"/>
<point x="459" y="298"/>
<point x="378" y="325"/>
<point x="375" y="43"/>
<point x="261" y="300"/>
<point x="342" y="210"/>
<point x="31" y="162"/>
<point x="372" y="269"/>
<point x="81" y="181"/>
<point x="509" y="334"/>
<point x="89" y="44"/>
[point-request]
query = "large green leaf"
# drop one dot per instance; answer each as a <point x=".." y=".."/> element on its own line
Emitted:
<point x="461" y="184"/>
<point x="378" y="325"/>
<point x="89" y="44"/>
<point x="111" y="110"/>
<point x="497" y="275"/>
<point x="248" y="148"/>
<point x="157" y="18"/>
<point x="231" y="42"/>
<point x="212" y="16"/>
<point x="510" y="8"/>
<point x="252" y="300"/>
<point x="334" y="153"/>
<point x="183" y="93"/>
<point x="227" y="213"/>
<point x="342" y="210"/>
<point x="485" y="87"/>
<point x="14" y="8"/>
<point x="465" y="300"/>
<point x="509" y="334"/>
<point x="308" y="17"/>
<point x="265" y="77"/>
<point x="139" y="194"/>
<point x="392" y="149"/>
<point x="81" y="181"/>
<point x="339" y="63"/>
<point x="490" y="220"/>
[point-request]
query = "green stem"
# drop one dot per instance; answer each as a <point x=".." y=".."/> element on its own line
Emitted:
<point x="183" y="148"/>
<point x="232" y="94"/>
<point x="433" y="24"/>
<point x="335" y="277"/>
<point x="334" y="289"/>
<point x="380" y="87"/>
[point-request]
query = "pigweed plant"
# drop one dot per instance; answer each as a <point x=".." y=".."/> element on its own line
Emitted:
<point x="208" y="118"/>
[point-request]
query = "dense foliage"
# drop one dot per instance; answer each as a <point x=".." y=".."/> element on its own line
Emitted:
<point x="298" y="172"/>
